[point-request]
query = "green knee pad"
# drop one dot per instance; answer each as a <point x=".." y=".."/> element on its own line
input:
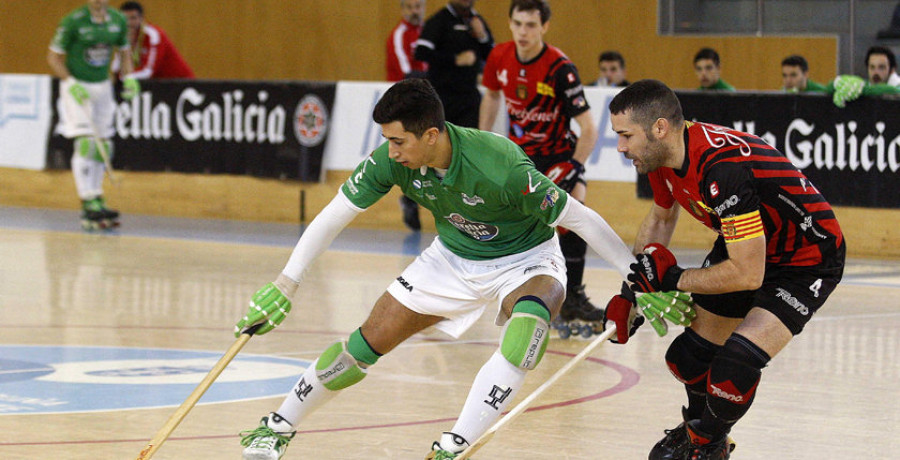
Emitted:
<point x="86" y="147"/>
<point x="527" y="333"/>
<point x="338" y="367"/>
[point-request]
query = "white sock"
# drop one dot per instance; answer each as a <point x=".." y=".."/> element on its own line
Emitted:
<point x="306" y="396"/>
<point x="494" y="388"/>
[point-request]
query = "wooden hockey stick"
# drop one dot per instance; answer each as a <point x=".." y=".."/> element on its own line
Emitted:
<point x="198" y="392"/>
<point x="101" y="147"/>
<point x="522" y="406"/>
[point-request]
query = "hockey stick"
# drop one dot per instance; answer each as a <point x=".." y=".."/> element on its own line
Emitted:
<point x="522" y="406"/>
<point x="101" y="147"/>
<point x="198" y="392"/>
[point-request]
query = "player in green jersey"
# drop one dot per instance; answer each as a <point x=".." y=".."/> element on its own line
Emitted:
<point x="80" y="55"/>
<point x="495" y="216"/>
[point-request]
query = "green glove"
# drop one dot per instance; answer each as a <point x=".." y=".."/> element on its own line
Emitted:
<point x="675" y="306"/>
<point x="78" y="91"/>
<point x="130" y="88"/>
<point x="270" y="305"/>
<point x="847" y="88"/>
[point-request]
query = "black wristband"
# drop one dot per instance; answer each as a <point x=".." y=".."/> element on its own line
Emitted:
<point x="670" y="279"/>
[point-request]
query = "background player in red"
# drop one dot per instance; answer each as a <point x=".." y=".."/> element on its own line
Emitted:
<point x="153" y="54"/>
<point x="779" y="255"/>
<point x="543" y="94"/>
<point x="400" y="62"/>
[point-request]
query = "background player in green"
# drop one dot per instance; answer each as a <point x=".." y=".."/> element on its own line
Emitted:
<point x="496" y="246"/>
<point x="80" y="55"/>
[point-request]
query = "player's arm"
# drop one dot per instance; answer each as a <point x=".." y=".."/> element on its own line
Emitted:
<point x="487" y="112"/>
<point x="657" y="227"/>
<point x="272" y="303"/>
<point x="57" y="63"/>
<point x="588" y="137"/>
<point x="594" y="229"/>
<point x="743" y="270"/>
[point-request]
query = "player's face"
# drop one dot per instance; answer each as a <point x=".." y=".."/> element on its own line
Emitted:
<point x="527" y="30"/>
<point x="134" y="19"/>
<point x="879" y="68"/>
<point x="404" y="147"/>
<point x="707" y="72"/>
<point x="645" y="152"/>
<point x="413" y="11"/>
<point x="793" y="78"/>
<point x="613" y="72"/>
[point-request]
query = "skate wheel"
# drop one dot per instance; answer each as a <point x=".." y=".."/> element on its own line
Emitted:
<point x="587" y="331"/>
<point x="564" y="331"/>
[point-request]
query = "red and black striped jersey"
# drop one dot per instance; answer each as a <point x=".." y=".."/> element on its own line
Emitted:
<point x="542" y="96"/>
<point x="743" y="188"/>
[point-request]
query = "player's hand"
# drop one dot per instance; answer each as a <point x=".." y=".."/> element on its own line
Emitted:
<point x="270" y="305"/>
<point x="847" y="88"/>
<point x="622" y="311"/>
<point x="130" y="88"/>
<point x="655" y="270"/>
<point x="566" y="174"/>
<point x="479" y="30"/>
<point x="78" y="92"/>
<point x="466" y="58"/>
<point x="675" y="306"/>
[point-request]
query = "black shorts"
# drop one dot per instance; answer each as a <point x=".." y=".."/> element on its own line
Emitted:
<point x="793" y="294"/>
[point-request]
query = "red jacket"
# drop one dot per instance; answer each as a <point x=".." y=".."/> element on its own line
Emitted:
<point x="156" y="56"/>
<point x="400" y="49"/>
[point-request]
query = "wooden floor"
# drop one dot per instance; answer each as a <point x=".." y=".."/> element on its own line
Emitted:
<point x="831" y="394"/>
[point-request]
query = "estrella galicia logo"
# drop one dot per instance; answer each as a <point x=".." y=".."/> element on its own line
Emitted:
<point x="310" y="121"/>
<point x="57" y="379"/>
<point x="478" y="230"/>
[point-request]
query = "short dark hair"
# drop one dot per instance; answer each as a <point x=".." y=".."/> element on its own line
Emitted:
<point x="892" y="60"/>
<point x="414" y="103"/>
<point x="611" y="56"/>
<point x="648" y="101"/>
<point x="542" y="6"/>
<point x="707" y="53"/>
<point x="132" y="6"/>
<point x="796" y="60"/>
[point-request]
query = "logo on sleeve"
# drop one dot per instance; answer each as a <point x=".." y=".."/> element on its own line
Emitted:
<point x="477" y="230"/>
<point x="550" y="199"/>
<point x="714" y="189"/>
<point x="531" y="188"/>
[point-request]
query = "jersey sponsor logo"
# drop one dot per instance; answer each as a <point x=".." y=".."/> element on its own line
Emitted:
<point x="98" y="55"/>
<point x="574" y="91"/>
<point x="404" y="283"/>
<point x="807" y="226"/>
<point x="310" y="121"/>
<point x="550" y="199"/>
<point x="417" y="184"/>
<point x="545" y="89"/>
<point x="477" y="230"/>
<point x="729" y="202"/>
<point x="63" y="379"/>
<point x="714" y="189"/>
<point x="502" y="78"/>
<point x="697" y="209"/>
<point x="533" y="114"/>
<point x="472" y="200"/>
<point x="719" y="392"/>
<point x="571" y="77"/>
<point x="789" y="299"/>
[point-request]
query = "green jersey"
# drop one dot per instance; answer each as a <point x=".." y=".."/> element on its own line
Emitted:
<point x="89" y="45"/>
<point x="720" y="85"/>
<point x="490" y="203"/>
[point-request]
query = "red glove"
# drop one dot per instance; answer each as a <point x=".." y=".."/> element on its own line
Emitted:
<point x="655" y="270"/>
<point x="622" y="310"/>
<point x="566" y="174"/>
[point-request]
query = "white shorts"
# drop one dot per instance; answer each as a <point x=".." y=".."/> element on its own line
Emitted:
<point x="75" y="119"/>
<point x="441" y="283"/>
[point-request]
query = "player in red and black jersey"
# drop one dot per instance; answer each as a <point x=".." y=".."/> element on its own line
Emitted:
<point x="543" y="94"/>
<point x="779" y="255"/>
